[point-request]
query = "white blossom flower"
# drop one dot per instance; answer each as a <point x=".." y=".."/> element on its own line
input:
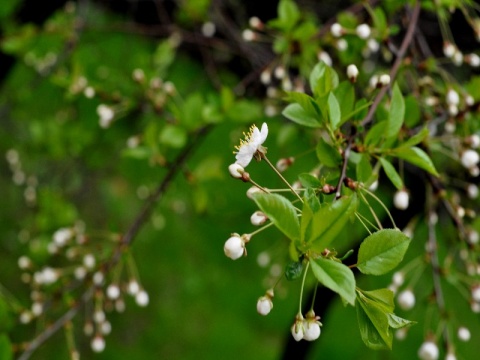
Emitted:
<point x="252" y="145"/>
<point x="406" y="299"/>
<point x="363" y="31"/>
<point x="463" y="333"/>
<point x="297" y="328"/>
<point x="106" y="115"/>
<point x="401" y="199"/>
<point x="428" y="351"/>
<point x="234" y="247"/>
<point x="469" y="158"/>
<point x="336" y="30"/>
<point x="352" y="72"/>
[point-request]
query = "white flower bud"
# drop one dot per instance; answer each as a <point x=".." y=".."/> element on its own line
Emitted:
<point x="352" y="72"/>
<point x="265" y="304"/>
<point x="449" y="49"/>
<point x="284" y="163"/>
<point x="89" y="92"/>
<point x="474" y="171"/>
<point x="208" y="29"/>
<point x="98" y="344"/>
<point x="258" y="218"/>
<point x="428" y="351"/>
<point x="106" y="328"/>
<point x="311" y="330"/>
<point x="106" y="115"/>
<point x="98" y="278"/>
<point x="342" y="44"/>
<point x="373" y="81"/>
<point x="99" y="316"/>
<point x="297" y="328"/>
<point x="452" y="97"/>
<point x="463" y="334"/>
<point x="37" y="308"/>
<point x="266" y="77"/>
<point x="88" y="328"/>
<point x="469" y="158"/>
<point x="450" y="356"/>
<point x="26" y="317"/>
<point x="255" y="23"/>
<point x="248" y="35"/>
<point x="279" y="72"/>
<point x="401" y="334"/>
<point x="120" y="305"/>
<point x="138" y="75"/>
<point x="472" y="191"/>
<point x="325" y="57"/>
<point x="469" y="100"/>
<point x="236" y="170"/>
<point x="473" y="60"/>
<point x="24" y="262"/>
<point x="61" y="236"/>
<point x="363" y="31"/>
<point x="398" y="278"/>
<point x="113" y="291"/>
<point x="401" y="199"/>
<point x="133" y="287"/>
<point x="49" y="275"/>
<point x="253" y="190"/>
<point x="384" y="79"/>
<point x="457" y="58"/>
<point x="89" y="261"/>
<point x="80" y="273"/>
<point x="336" y="30"/>
<point x="373" y="45"/>
<point x="476" y="293"/>
<point x="142" y="299"/>
<point x="234" y="247"/>
<point x="406" y="300"/>
<point x="473" y="141"/>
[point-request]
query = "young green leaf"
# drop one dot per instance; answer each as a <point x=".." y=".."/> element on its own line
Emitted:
<point x="335" y="276"/>
<point x="397" y="322"/>
<point x="416" y="139"/>
<point x="327" y="154"/>
<point x="382" y="251"/>
<point x="392" y="174"/>
<point x="288" y="13"/>
<point x="329" y="221"/>
<point x="323" y="79"/>
<point x="345" y="94"/>
<point x="293" y="270"/>
<point x="281" y="212"/>
<point x="417" y="157"/>
<point x="376" y="133"/>
<point x="397" y="112"/>
<point x="308" y="180"/>
<point x="297" y="114"/>
<point x="6" y="352"/>
<point x="334" y="111"/>
<point x="364" y="169"/>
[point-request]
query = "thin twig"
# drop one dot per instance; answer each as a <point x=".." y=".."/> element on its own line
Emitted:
<point x="125" y="242"/>
<point x="393" y="72"/>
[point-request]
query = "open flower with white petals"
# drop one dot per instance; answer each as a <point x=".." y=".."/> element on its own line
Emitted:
<point x="252" y="145"/>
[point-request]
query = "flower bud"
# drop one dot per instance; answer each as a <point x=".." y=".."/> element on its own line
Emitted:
<point x="141" y="298"/>
<point x="234" y="247"/>
<point x="255" y="23"/>
<point x="325" y="57"/>
<point x="311" y="327"/>
<point x="428" y="351"/>
<point x="208" y="29"/>
<point x="258" y="218"/>
<point x="61" y="236"/>
<point x="384" y="79"/>
<point x="265" y="304"/>
<point x="342" y="45"/>
<point x="352" y="72"/>
<point x="406" y="299"/>
<point x="266" y="77"/>
<point x="398" y="278"/>
<point x="284" y="164"/>
<point x="463" y="334"/>
<point x="373" y="45"/>
<point x="336" y="30"/>
<point x="476" y="293"/>
<point x="113" y="291"/>
<point x="253" y="190"/>
<point x="401" y="199"/>
<point x="472" y="191"/>
<point x="363" y="31"/>
<point x="449" y="49"/>
<point x="248" y="35"/>
<point x="236" y="170"/>
<point x="450" y="356"/>
<point x="297" y="328"/>
<point x="469" y="158"/>
<point x="452" y="97"/>
<point x="473" y="141"/>
<point x="24" y="262"/>
<point x="98" y="344"/>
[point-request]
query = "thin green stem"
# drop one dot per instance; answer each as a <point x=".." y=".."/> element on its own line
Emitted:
<point x="261" y="229"/>
<point x="314" y="296"/>
<point x="359" y="217"/>
<point x="301" y="289"/>
<point x="371" y="210"/>
<point x="281" y="177"/>
<point x="258" y="186"/>
<point x="382" y="205"/>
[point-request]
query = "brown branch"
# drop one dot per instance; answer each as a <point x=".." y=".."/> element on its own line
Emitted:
<point x="125" y="242"/>
<point x="396" y="66"/>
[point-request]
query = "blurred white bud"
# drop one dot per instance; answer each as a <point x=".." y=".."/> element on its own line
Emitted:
<point x="472" y="191"/>
<point x="99" y="316"/>
<point x="138" y="75"/>
<point x="98" y="344"/>
<point x="325" y="57"/>
<point x="469" y="100"/>
<point x="406" y="299"/>
<point x="236" y="170"/>
<point x="98" y="278"/>
<point x="80" y="272"/>
<point x="401" y="334"/>
<point x="89" y="92"/>
<point x="106" y="328"/>
<point x="363" y="31"/>
<point x="62" y="235"/>
<point x="474" y="171"/>
<point x="428" y="351"/>
<point x="25" y="317"/>
<point x="457" y="58"/>
<point x="336" y="29"/>
<point x="266" y="77"/>
<point x="89" y="261"/>
<point x="469" y="158"/>
<point x="473" y="60"/>
<point x="398" y="278"/>
<point x="373" y="81"/>
<point x="342" y="44"/>
<point x="24" y="262"/>
<point x="373" y="45"/>
<point x="452" y="97"/>
<point x="142" y="299"/>
<point x="208" y="29"/>
<point x="279" y="72"/>
<point x="476" y="293"/>
<point x="352" y="72"/>
<point x="401" y="199"/>
<point x="37" y="308"/>
<point x="113" y="291"/>
<point x="384" y="79"/>
<point x="255" y="23"/>
<point x="463" y="334"/>
<point x="449" y="49"/>
<point x="248" y="35"/>
<point x="106" y="115"/>
<point x="284" y="163"/>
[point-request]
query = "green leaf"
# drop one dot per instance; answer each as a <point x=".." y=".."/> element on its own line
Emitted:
<point x="281" y="212"/>
<point x="327" y="154"/>
<point x="335" y="276"/>
<point x="288" y="13"/>
<point x="361" y="110"/>
<point x="397" y="112"/>
<point x="397" y="322"/>
<point x="373" y="323"/>
<point x="311" y="199"/>
<point x="334" y="111"/>
<point x="345" y="94"/>
<point x="297" y="114"/>
<point x="323" y="79"/>
<point x="382" y="251"/>
<point x="413" y="113"/>
<point x="173" y="136"/>
<point x="383" y="298"/>
<point x="293" y="270"/>
<point x="309" y="181"/>
<point x="416" y="139"/>
<point x="306" y="102"/>
<point x="392" y="174"/>
<point x="376" y="133"/>
<point x="417" y="157"/>
<point x="329" y="221"/>
<point x="5" y="348"/>
<point x="244" y="111"/>
<point x="364" y="169"/>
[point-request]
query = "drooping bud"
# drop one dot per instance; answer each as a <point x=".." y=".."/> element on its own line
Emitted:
<point x="401" y="199"/>
<point x="469" y="158"/>
<point x="428" y="351"/>
<point x="352" y="72"/>
<point x="265" y="304"/>
<point x="236" y="170"/>
<point x="384" y="79"/>
<point x="406" y="299"/>
<point x="234" y="247"/>
<point x="284" y="163"/>
<point x="258" y="218"/>
<point x="336" y="30"/>
<point x="297" y="328"/>
<point x="463" y="334"/>
<point x="363" y="31"/>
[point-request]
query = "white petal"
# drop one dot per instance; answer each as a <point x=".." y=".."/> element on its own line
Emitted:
<point x="263" y="133"/>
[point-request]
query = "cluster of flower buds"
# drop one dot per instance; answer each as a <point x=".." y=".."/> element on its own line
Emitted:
<point x="307" y="328"/>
